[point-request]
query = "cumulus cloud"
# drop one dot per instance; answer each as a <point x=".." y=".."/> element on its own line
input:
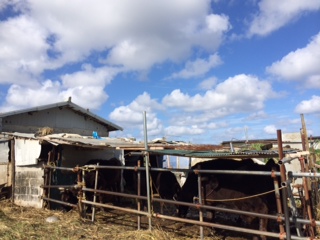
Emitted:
<point x="198" y="67"/>
<point x="208" y="83"/>
<point x="309" y="106"/>
<point x="20" y="97"/>
<point x="193" y="115"/>
<point x="274" y="14"/>
<point x="270" y="129"/>
<point x="90" y="76"/>
<point x="313" y="82"/>
<point x="183" y="130"/>
<point x="300" y="65"/>
<point x="23" y="51"/>
<point x="46" y="36"/>
<point x="241" y="93"/>
<point x="131" y="115"/>
<point x="256" y="116"/>
<point x="149" y="33"/>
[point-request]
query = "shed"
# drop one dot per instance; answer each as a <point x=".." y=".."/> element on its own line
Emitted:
<point x="23" y="151"/>
<point x="62" y="117"/>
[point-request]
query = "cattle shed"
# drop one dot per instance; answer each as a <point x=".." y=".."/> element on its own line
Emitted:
<point x="61" y="117"/>
<point x="27" y="154"/>
<point x="23" y="151"/>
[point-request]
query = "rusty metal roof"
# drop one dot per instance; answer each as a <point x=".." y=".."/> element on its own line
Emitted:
<point x="212" y="154"/>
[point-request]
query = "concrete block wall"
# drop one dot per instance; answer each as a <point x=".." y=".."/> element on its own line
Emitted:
<point x="27" y="191"/>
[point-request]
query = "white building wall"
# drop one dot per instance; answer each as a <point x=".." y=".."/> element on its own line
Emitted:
<point x="4" y="161"/>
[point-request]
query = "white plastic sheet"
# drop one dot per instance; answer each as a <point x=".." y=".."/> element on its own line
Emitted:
<point x="4" y="152"/>
<point x="27" y="151"/>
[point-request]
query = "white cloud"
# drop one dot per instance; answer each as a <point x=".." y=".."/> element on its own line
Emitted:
<point x="313" y="82"/>
<point x="309" y="106"/>
<point x="242" y="93"/>
<point x="198" y="67"/>
<point x="157" y="31"/>
<point x="19" y="97"/>
<point x="300" y="65"/>
<point x="270" y="129"/>
<point x="49" y="35"/>
<point x="131" y="116"/>
<point x="23" y="50"/>
<point x="177" y="131"/>
<point x="208" y="83"/>
<point x="256" y="116"/>
<point x="89" y="76"/>
<point x="274" y="14"/>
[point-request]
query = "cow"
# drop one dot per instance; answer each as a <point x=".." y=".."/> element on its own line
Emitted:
<point x="217" y="196"/>
<point x="242" y="185"/>
<point x="167" y="186"/>
<point x="108" y="180"/>
<point x="190" y="187"/>
<point x="112" y="177"/>
<point x="69" y="196"/>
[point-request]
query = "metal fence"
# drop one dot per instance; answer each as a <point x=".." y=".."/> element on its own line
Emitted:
<point x="286" y="206"/>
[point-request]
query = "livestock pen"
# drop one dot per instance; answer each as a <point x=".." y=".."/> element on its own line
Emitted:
<point x="302" y="217"/>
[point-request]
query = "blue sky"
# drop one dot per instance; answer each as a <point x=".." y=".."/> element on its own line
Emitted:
<point x="204" y="71"/>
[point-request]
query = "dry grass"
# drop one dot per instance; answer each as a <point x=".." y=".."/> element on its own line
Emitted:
<point x="29" y="223"/>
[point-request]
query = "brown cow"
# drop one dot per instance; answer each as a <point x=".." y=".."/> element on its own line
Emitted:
<point x="244" y="185"/>
<point x="233" y="199"/>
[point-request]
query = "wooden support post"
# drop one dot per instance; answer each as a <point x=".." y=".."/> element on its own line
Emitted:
<point x="13" y="169"/>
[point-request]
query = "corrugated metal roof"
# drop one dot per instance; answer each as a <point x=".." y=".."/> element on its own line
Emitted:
<point x="211" y="154"/>
<point x="73" y="107"/>
<point x="88" y="141"/>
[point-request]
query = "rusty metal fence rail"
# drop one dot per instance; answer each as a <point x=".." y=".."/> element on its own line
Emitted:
<point x="281" y="218"/>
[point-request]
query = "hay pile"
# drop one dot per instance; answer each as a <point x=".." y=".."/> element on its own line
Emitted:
<point x="29" y="223"/>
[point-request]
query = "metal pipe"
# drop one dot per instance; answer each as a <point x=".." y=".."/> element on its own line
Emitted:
<point x="307" y="200"/>
<point x="147" y="167"/>
<point x="59" y="201"/>
<point x="80" y="192"/>
<point x="115" y="193"/>
<point x="91" y="166"/>
<point x="226" y="227"/>
<point x="200" y="192"/>
<point x="232" y="172"/>
<point x="283" y="179"/>
<point x="139" y="193"/>
<point x="293" y="207"/>
<point x="12" y="170"/>
<point x="278" y="202"/>
<point x="115" y="207"/>
<point x="197" y="206"/>
<point x="169" y="170"/>
<point x="305" y="133"/>
<point x="95" y="195"/>
<point x="305" y="174"/>
<point x="75" y="186"/>
<point x="82" y="195"/>
<point x="60" y="168"/>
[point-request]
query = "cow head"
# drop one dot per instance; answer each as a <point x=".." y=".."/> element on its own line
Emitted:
<point x="69" y="196"/>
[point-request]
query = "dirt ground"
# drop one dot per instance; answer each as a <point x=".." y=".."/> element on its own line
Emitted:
<point x="28" y="223"/>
